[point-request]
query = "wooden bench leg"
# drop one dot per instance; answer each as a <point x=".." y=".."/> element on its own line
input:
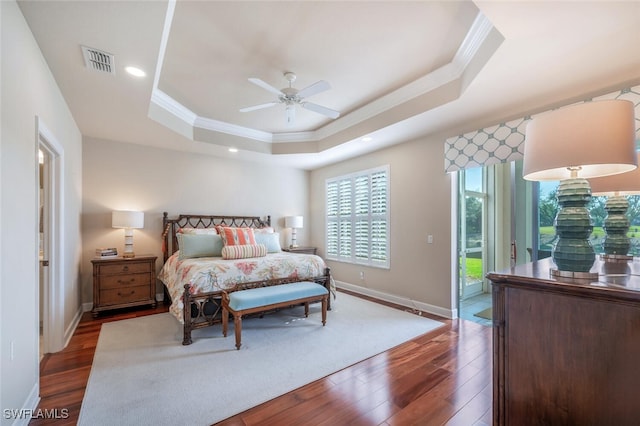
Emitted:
<point x="306" y="309"/>
<point x="237" y="323"/>
<point x="324" y="310"/>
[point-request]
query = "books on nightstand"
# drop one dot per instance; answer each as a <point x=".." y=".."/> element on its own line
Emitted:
<point x="106" y="253"/>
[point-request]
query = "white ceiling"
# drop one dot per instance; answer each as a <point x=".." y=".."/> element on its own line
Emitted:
<point x="398" y="70"/>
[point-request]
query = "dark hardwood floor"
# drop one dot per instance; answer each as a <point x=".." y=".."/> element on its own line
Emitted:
<point x="443" y="377"/>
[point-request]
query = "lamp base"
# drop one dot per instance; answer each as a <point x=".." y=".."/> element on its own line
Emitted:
<point x="616" y="227"/>
<point x="128" y="255"/>
<point x="572" y="252"/>
<point x="591" y="276"/>
<point x="615" y="258"/>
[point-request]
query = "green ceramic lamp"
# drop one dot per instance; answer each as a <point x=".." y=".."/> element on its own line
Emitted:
<point x="571" y="144"/>
<point x="616" y="225"/>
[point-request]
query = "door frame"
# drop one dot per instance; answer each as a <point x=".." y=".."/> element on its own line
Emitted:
<point x="53" y="306"/>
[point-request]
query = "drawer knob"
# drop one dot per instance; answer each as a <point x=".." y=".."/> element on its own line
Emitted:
<point x="125" y="268"/>
<point x="131" y="280"/>
<point x="125" y="295"/>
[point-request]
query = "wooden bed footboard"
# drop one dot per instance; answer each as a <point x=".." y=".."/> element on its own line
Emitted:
<point x="205" y="309"/>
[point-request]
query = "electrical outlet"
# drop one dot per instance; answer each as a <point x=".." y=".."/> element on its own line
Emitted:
<point x="429" y="239"/>
<point x="362" y="275"/>
<point x="12" y="345"/>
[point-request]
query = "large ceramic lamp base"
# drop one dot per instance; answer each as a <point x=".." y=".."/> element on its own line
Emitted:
<point x="572" y="253"/>
<point x="616" y="226"/>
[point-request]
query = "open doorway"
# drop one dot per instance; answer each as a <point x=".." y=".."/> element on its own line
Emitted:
<point x="474" y="296"/>
<point x="50" y="240"/>
<point x="43" y="243"/>
<point x="496" y="230"/>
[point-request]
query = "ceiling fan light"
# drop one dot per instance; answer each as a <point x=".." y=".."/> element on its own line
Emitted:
<point x="290" y="114"/>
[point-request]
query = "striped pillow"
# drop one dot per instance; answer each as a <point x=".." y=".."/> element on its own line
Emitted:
<point x="244" y="251"/>
<point x="236" y="236"/>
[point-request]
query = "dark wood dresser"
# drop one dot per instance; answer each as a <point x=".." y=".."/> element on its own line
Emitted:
<point x="566" y="352"/>
<point x="120" y="283"/>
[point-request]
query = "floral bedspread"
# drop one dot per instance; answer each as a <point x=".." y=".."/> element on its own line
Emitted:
<point x="214" y="273"/>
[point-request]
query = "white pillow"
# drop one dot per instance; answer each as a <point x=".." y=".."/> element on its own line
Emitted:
<point x="205" y="231"/>
<point x="265" y="230"/>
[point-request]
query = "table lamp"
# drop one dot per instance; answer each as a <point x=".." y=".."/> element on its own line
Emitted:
<point x="616" y="225"/>
<point x="128" y="220"/>
<point x="293" y="222"/>
<point x="572" y="144"/>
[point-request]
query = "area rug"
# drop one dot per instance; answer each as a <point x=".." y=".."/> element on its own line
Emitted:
<point x="142" y="375"/>
<point x="486" y="313"/>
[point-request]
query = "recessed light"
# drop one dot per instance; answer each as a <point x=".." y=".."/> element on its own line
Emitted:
<point x="136" y="72"/>
<point x="233" y="149"/>
<point x="367" y="139"/>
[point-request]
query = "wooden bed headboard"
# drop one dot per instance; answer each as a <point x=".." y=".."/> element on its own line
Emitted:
<point x="171" y="226"/>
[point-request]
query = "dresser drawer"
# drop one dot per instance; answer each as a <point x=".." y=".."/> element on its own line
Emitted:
<point x="119" y="281"/>
<point x="125" y="268"/>
<point x="118" y="296"/>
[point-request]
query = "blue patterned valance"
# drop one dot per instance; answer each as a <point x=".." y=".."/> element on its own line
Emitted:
<point x="504" y="142"/>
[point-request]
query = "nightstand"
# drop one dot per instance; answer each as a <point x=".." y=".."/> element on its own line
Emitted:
<point x="306" y="250"/>
<point x="121" y="283"/>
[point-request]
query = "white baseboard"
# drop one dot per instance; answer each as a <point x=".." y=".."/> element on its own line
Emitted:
<point x="402" y="301"/>
<point x="22" y="417"/>
<point x="68" y="333"/>
<point x="86" y="307"/>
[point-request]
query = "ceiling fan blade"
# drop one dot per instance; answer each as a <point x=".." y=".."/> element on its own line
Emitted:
<point x="317" y="87"/>
<point x="261" y="106"/>
<point x="331" y="113"/>
<point x="265" y="86"/>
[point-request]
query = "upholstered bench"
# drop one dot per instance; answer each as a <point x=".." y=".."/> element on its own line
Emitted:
<point x="244" y="302"/>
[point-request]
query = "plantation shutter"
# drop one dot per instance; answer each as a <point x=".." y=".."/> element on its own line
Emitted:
<point x="357" y="218"/>
<point x="379" y="208"/>
<point x="332" y="219"/>
<point x="344" y="214"/>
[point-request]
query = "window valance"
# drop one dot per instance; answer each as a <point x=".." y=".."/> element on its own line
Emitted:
<point x="504" y="142"/>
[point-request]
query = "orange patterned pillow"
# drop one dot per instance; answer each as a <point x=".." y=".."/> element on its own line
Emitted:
<point x="236" y="236"/>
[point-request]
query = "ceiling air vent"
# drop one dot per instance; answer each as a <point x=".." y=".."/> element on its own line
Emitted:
<point x="98" y="60"/>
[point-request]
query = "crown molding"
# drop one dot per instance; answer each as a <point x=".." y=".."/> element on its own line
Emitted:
<point x="469" y="48"/>
<point x="232" y="129"/>
<point x="166" y="102"/>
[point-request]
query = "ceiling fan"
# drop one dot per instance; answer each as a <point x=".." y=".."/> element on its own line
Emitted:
<point x="291" y="96"/>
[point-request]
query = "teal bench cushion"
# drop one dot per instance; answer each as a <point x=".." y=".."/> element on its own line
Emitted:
<point x="263" y="296"/>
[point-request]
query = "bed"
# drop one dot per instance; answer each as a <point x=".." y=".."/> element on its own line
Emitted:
<point x="194" y="285"/>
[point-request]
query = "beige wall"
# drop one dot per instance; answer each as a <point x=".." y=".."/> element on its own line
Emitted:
<point x="420" y="273"/>
<point x="122" y="176"/>
<point x="28" y="90"/>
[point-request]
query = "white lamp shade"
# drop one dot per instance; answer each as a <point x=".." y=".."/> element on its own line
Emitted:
<point x="127" y="219"/>
<point x="293" y="221"/>
<point x="598" y="137"/>
<point x="621" y="184"/>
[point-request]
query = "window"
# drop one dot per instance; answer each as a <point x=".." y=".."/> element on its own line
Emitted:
<point x="358" y="217"/>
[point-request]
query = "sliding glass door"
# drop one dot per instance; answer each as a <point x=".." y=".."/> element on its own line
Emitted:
<point x="472" y="231"/>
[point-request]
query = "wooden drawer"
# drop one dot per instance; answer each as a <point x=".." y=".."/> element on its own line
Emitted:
<point x="119" y="296"/>
<point x="119" y="281"/>
<point x="125" y="268"/>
